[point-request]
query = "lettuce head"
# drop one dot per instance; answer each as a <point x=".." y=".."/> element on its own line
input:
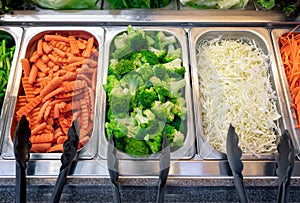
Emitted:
<point x="66" y="4"/>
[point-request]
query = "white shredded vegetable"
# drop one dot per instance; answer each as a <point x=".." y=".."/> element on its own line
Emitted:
<point x="235" y="88"/>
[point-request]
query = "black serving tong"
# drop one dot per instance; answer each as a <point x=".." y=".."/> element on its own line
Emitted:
<point x="234" y="154"/>
<point x="164" y="164"/>
<point x="67" y="158"/>
<point x="113" y="168"/>
<point x="22" y="146"/>
<point x="284" y="166"/>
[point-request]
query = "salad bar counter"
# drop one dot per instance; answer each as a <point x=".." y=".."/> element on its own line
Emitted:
<point x="152" y="95"/>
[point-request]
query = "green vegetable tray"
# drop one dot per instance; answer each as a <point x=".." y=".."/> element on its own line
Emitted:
<point x="13" y="37"/>
<point x="187" y="150"/>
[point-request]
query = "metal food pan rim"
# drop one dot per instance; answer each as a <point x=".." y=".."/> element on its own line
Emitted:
<point x="262" y="33"/>
<point x="110" y="35"/>
<point x="30" y="34"/>
<point x="17" y="34"/>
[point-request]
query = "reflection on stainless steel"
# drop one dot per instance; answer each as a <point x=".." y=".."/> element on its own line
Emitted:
<point x="262" y="39"/>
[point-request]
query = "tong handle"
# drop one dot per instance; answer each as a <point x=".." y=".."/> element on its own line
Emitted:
<point x="164" y="164"/>
<point x="59" y="186"/>
<point x="22" y="146"/>
<point x="20" y="184"/>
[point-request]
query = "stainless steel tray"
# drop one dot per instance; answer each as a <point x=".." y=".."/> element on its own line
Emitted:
<point x="187" y="151"/>
<point x="32" y="35"/>
<point x="275" y="34"/>
<point x="13" y="35"/>
<point x="262" y="39"/>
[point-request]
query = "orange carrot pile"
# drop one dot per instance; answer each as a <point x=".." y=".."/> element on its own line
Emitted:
<point x="58" y="86"/>
<point x="289" y="44"/>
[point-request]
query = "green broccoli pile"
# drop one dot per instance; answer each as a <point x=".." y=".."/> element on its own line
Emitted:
<point x="145" y="92"/>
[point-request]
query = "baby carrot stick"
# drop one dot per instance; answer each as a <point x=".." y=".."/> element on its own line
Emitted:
<point x="59" y="52"/>
<point x="52" y="85"/>
<point x="39" y="49"/>
<point x="40" y="147"/>
<point x="56" y="148"/>
<point x="88" y="49"/>
<point x="53" y="93"/>
<point x="46" y="48"/>
<point x="33" y="74"/>
<point x="61" y="139"/>
<point x="38" y="128"/>
<point x="25" y="66"/>
<point x="73" y="45"/>
<point x="56" y="38"/>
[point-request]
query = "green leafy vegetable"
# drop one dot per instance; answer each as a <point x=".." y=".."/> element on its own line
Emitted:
<point x="119" y="4"/>
<point x="6" y="56"/>
<point x="267" y="4"/>
<point x="145" y="92"/>
<point x="66" y="4"/>
<point x="215" y="4"/>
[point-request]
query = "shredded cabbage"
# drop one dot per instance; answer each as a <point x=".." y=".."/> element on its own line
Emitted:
<point x="235" y="89"/>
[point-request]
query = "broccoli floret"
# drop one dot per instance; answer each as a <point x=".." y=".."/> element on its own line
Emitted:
<point x="178" y="124"/>
<point x="180" y="108"/>
<point x="160" y="53"/>
<point x="163" y="111"/>
<point x="154" y="142"/>
<point x="169" y="90"/>
<point x="121" y="52"/>
<point x="137" y="39"/>
<point x="111" y="82"/>
<point x="143" y="118"/>
<point x="161" y="40"/>
<point x="130" y="124"/>
<point x="176" y="87"/>
<point x="147" y="96"/>
<point x="161" y="72"/>
<point x="114" y="127"/>
<point x="176" y="66"/>
<point x="150" y="40"/>
<point x="121" y="41"/>
<point x="161" y="88"/>
<point x="172" y="53"/>
<point x="145" y="71"/>
<point x="144" y="56"/>
<point x="174" y="136"/>
<point x="132" y="81"/>
<point x="121" y="67"/>
<point x="120" y="143"/>
<point x="137" y="148"/>
<point x="119" y="101"/>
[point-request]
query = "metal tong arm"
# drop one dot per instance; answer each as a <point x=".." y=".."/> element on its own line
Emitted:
<point x="68" y="156"/>
<point x="113" y="168"/>
<point x="164" y="164"/>
<point x="234" y="154"/>
<point x="284" y="166"/>
<point x="22" y="146"/>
